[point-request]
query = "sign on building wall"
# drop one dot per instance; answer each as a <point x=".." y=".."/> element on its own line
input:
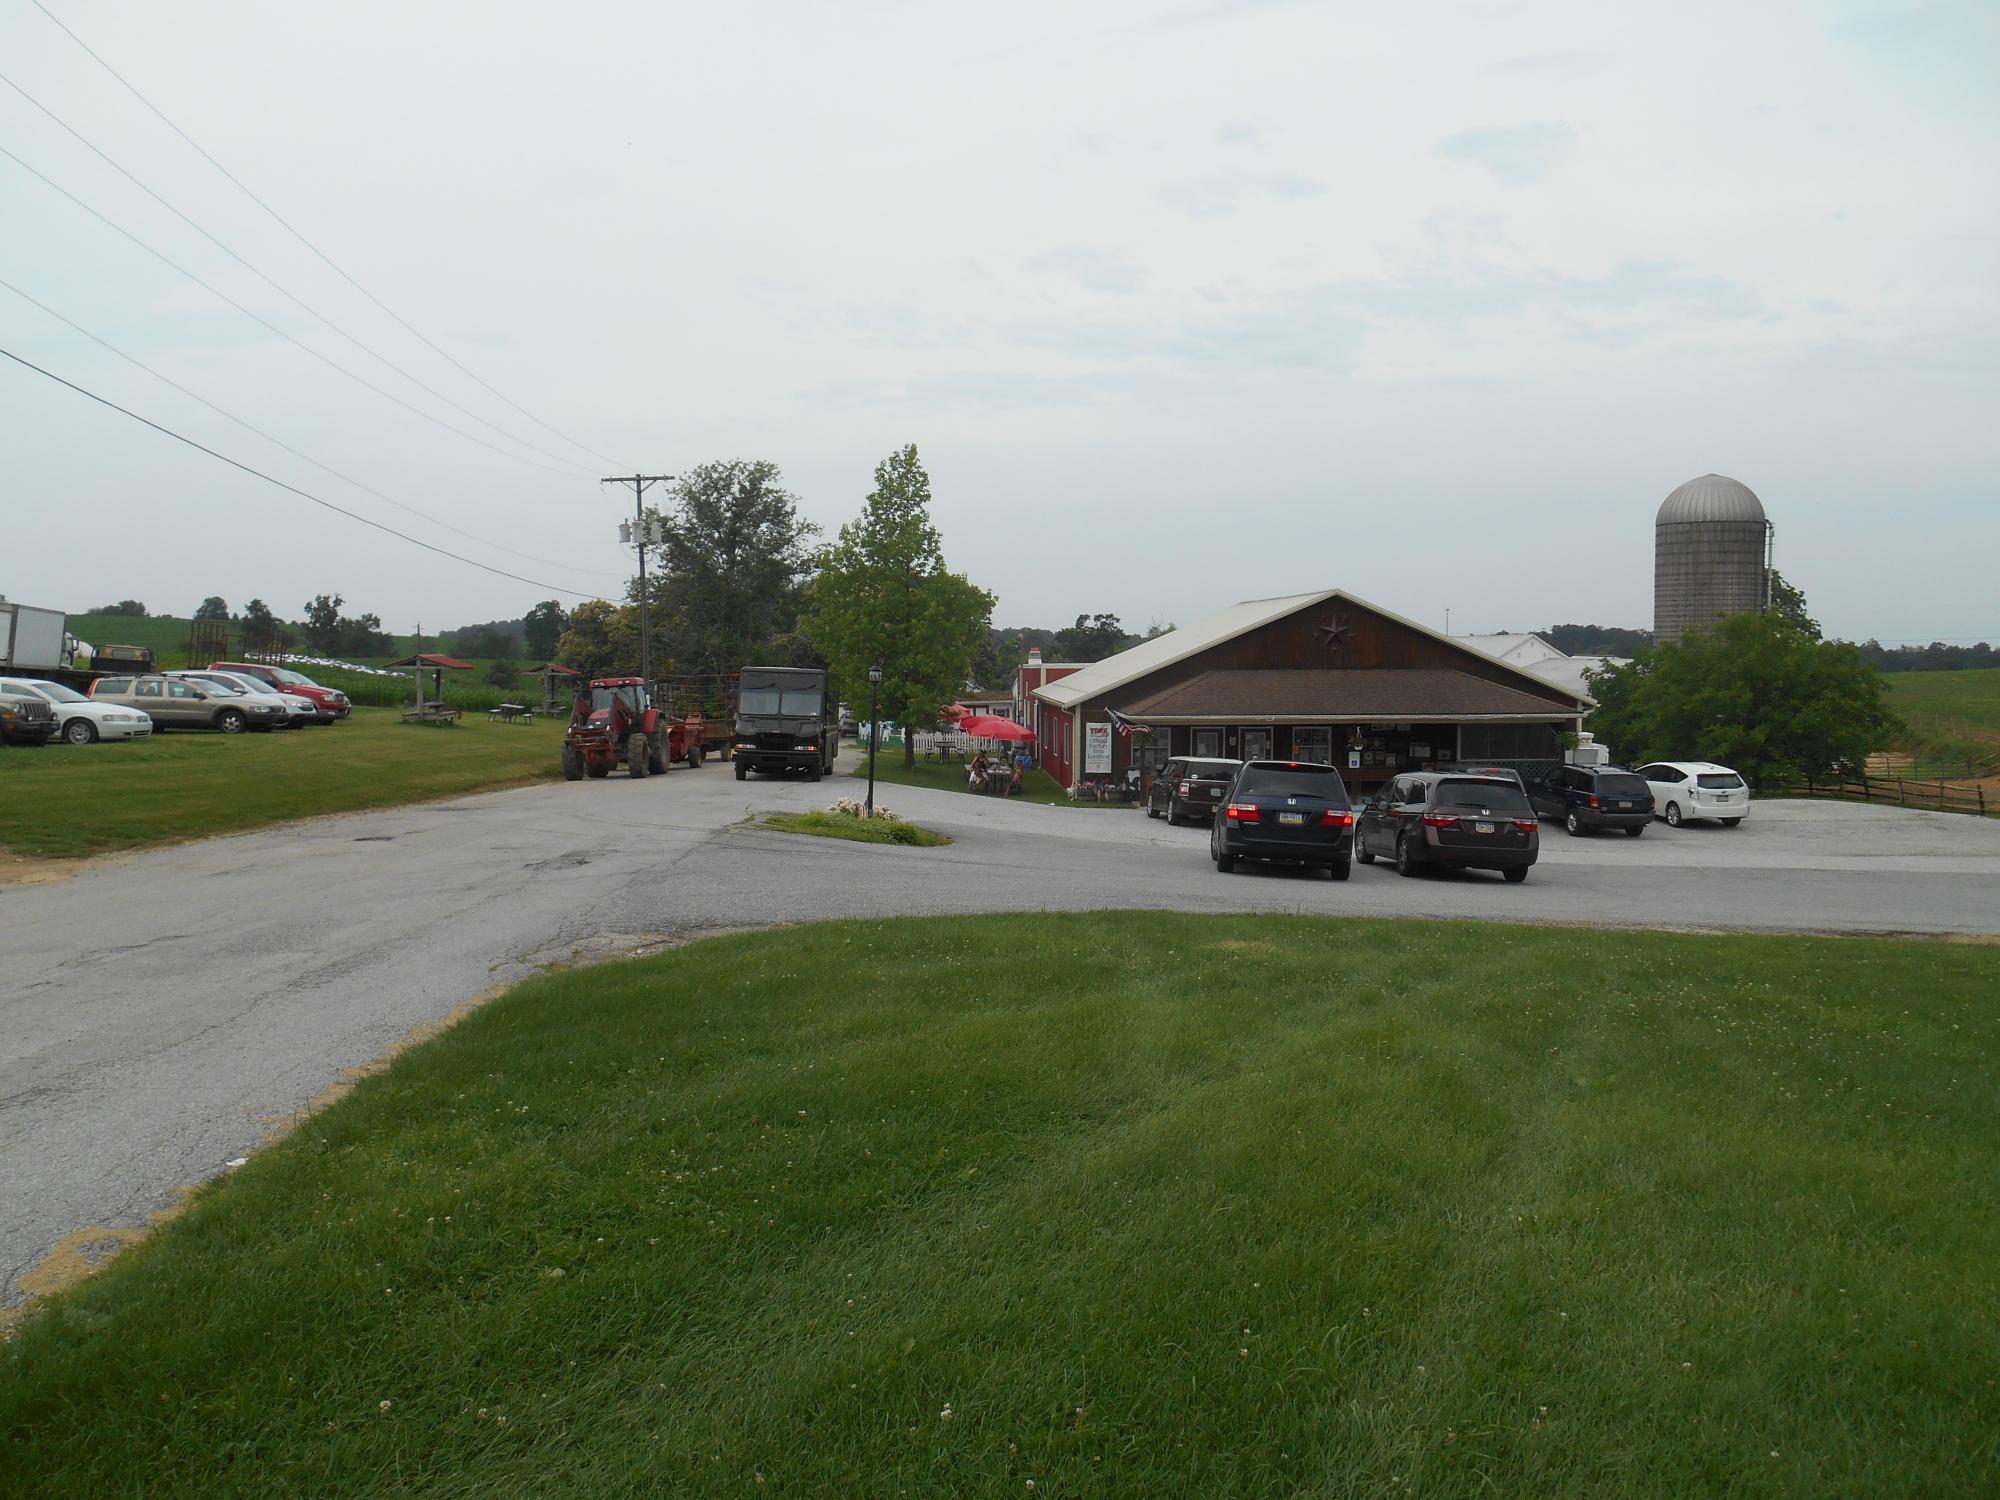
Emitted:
<point x="1097" y="749"/>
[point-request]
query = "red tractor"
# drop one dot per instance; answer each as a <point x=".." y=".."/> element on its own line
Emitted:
<point x="616" y="719"/>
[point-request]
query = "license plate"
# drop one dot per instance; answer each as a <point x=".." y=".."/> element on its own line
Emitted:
<point x="1291" y="818"/>
<point x="1482" y="827"/>
<point x="1624" y="804"/>
<point x="1722" y="796"/>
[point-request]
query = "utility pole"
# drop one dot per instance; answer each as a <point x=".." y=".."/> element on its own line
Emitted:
<point x="639" y="534"/>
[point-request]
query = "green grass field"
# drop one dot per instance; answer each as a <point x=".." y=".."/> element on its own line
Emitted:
<point x="1109" y="1205"/>
<point x="1949" y="714"/>
<point x="90" y="799"/>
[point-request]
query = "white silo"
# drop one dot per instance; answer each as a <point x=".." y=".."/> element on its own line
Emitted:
<point x="1711" y="555"/>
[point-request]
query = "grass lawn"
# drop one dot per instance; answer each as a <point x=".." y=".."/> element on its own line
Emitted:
<point x="88" y="799"/>
<point x="1037" y="785"/>
<point x="1116" y="1204"/>
<point x="833" y="825"/>
<point x="1949" y="713"/>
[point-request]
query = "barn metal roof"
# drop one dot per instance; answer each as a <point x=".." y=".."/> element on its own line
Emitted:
<point x="1148" y="657"/>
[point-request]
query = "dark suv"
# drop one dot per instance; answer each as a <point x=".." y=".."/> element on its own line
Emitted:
<point x="1191" y="787"/>
<point x="1587" y="798"/>
<point x="1287" y="812"/>
<point x="25" y="719"/>
<point x="1450" y="819"/>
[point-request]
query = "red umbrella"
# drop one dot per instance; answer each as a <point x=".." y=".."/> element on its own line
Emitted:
<point x="993" y="727"/>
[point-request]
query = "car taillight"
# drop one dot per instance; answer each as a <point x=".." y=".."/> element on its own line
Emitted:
<point x="1335" y="818"/>
<point x="1440" y="820"/>
<point x="1184" y="789"/>
<point x="1527" y="825"/>
<point x="1595" y="803"/>
<point x="1243" y="812"/>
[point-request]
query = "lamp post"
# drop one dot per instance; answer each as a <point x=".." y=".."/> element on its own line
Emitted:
<point x="874" y="731"/>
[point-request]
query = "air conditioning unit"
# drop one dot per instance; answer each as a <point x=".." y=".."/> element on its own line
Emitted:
<point x="1587" y="752"/>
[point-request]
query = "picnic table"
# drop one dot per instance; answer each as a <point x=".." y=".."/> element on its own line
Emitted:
<point x="511" y="713"/>
<point x="431" y="713"/>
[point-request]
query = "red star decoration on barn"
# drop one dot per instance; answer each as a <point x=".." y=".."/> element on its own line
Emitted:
<point x="1334" y="632"/>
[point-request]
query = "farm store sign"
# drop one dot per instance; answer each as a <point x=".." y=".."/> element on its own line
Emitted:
<point x="1096" y="749"/>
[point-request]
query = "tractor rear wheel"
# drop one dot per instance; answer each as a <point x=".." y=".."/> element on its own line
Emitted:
<point x="572" y="759"/>
<point x="637" y="753"/>
<point x="656" y="758"/>
<point x="694" y="755"/>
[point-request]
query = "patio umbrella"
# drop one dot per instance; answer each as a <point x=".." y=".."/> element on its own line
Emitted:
<point x="993" y="727"/>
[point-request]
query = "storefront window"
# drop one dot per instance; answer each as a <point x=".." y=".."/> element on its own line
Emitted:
<point x="1208" y="742"/>
<point x="1313" y="743"/>
<point x="1256" y="744"/>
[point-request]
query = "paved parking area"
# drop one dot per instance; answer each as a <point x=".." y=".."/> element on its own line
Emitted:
<point x="157" y="1011"/>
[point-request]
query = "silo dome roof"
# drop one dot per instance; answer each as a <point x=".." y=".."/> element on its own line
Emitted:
<point x="1713" y="497"/>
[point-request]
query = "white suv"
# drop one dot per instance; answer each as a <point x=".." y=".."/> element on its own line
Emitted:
<point x="1684" y="789"/>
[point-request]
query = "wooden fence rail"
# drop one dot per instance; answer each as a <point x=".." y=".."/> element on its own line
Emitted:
<point x="1930" y="796"/>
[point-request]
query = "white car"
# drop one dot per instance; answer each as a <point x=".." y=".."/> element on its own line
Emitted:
<point x="303" y="711"/>
<point x="80" y="720"/>
<point x="1684" y="789"/>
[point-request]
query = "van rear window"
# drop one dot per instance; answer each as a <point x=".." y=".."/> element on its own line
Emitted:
<point x="1622" y="785"/>
<point x="1293" y="781"/>
<point x="1497" y="796"/>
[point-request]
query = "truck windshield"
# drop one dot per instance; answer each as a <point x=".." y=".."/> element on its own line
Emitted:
<point x="792" y="703"/>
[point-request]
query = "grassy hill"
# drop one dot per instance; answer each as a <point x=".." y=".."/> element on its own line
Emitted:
<point x="1951" y="715"/>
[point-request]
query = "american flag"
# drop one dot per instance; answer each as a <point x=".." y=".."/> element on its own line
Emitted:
<point x="1125" y="726"/>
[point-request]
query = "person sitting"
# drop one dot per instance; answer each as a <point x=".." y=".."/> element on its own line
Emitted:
<point x="976" y="774"/>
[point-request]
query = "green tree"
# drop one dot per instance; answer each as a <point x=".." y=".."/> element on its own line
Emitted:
<point x="323" y="623"/>
<point x="542" y="628"/>
<point x="1753" y="691"/>
<point x="123" y="607"/>
<point x="1091" y="638"/>
<point x="1789" y="603"/>
<point x="884" y="594"/>
<point x="502" y="673"/>
<point x="212" y="608"/>
<point x="731" y="574"/>
<point x="602" y="640"/>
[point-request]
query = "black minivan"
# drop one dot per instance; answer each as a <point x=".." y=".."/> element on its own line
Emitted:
<point x="1287" y="812"/>
<point x="1587" y="798"/>
<point x="1450" y="820"/>
<point x="1190" y="787"/>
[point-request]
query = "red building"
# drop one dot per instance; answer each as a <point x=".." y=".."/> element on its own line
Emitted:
<point x="1324" y="677"/>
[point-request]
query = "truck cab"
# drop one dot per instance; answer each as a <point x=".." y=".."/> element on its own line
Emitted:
<point x="785" y="721"/>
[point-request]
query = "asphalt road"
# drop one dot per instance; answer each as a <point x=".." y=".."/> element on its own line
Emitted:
<point x="157" y="1012"/>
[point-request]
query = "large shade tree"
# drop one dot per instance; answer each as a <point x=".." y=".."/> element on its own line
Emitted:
<point x="1759" y="692"/>
<point x="731" y="575"/>
<point x="883" y="594"/>
<point x="602" y="640"/>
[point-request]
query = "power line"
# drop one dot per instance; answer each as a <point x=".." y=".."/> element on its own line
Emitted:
<point x="277" y="287"/>
<point x="279" y="442"/>
<point x="326" y="259"/>
<point x="258" y="318"/>
<point x="292" y="488"/>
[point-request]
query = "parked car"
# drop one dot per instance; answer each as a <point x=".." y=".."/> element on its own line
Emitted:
<point x="173" y="703"/>
<point x="1586" y="798"/>
<point x="78" y="720"/>
<point x="26" y="719"/>
<point x="1285" y="812"/>
<point x="1450" y="820"/>
<point x="1684" y="789"/>
<point x="298" y="711"/>
<point x="331" y="703"/>
<point x="1191" y="788"/>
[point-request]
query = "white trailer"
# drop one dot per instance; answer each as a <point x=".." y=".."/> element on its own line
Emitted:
<point x="33" y="640"/>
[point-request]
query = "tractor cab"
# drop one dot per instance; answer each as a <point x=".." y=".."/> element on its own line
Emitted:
<point x="612" y="701"/>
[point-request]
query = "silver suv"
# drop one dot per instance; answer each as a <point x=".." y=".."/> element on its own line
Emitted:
<point x="174" y="703"/>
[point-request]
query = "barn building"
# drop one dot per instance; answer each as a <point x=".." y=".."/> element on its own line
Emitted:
<point x="1323" y="677"/>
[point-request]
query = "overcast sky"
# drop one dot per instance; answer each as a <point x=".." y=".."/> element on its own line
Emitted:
<point x="1183" y="303"/>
